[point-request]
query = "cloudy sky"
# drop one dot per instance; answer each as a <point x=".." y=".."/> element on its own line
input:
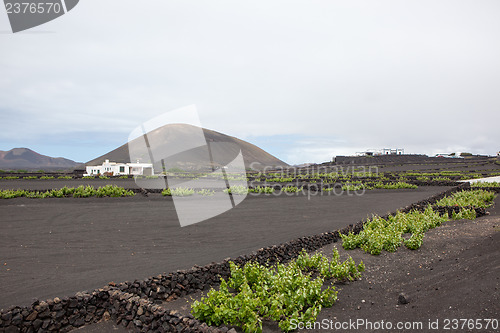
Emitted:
<point x="305" y="80"/>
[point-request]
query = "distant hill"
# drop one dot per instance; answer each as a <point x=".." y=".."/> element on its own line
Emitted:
<point x="24" y="158"/>
<point x="173" y="134"/>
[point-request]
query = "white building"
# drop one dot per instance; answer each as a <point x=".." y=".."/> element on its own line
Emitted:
<point x="390" y="151"/>
<point x="379" y="152"/>
<point x="119" y="169"/>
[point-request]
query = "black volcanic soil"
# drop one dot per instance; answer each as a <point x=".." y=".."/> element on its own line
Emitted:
<point x="56" y="247"/>
<point x="454" y="275"/>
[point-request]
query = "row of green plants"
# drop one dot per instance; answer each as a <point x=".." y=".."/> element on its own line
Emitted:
<point x="281" y="292"/>
<point x="396" y="185"/>
<point x="261" y="189"/>
<point x="444" y="173"/>
<point x="35" y="177"/>
<point x="178" y="192"/>
<point x="76" y="192"/>
<point x="349" y="187"/>
<point x="485" y="184"/>
<point x="242" y="190"/>
<point x="389" y="234"/>
<point x="237" y="189"/>
<point x="473" y="198"/>
<point x="353" y="186"/>
<point x="186" y="192"/>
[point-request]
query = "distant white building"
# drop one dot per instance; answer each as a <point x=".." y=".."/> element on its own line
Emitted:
<point x="390" y="151"/>
<point x="385" y="151"/>
<point x="120" y="169"/>
<point x="448" y="155"/>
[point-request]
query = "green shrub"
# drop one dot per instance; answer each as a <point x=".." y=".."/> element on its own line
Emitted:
<point x="78" y="192"/>
<point x="178" y="192"/>
<point x="485" y="184"/>
<point x="280" y="180"/>
<point x="353" y="187"/>
<point x="11" y="177"/>
<point x="263" y="189"/>
<point x="84" y="191"/>
<point x="103" y="177"/>
<point x="9" y="194"/>
<point x="292" y="189"/>
<point x="346" y="271"/>
<point x="467" y="214"/>
<point x="397" y="185"/>
<point x="46" y="177"/>
<point x="88" y="177"/>
<point x="474" y="198"/>
<point x="206" y="192"/>
<point x="30" y="177"/>
<point x="380" y="234"/>
<point x="123" y="177"/>
<point x="415" y="241"/>
<point x="280" y="293"/>
<point x="238" y="190"/>
<point x="64" y="177"/>
<point x="112" y="191"/>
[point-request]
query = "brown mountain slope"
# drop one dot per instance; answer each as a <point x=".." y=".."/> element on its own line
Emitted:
<point x="24" y="158"/>
<point x="224" y="149"/>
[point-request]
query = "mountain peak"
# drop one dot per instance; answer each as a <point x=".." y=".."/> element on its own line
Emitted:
<point x="174" y="134"/>
<point x="25" y="158"/>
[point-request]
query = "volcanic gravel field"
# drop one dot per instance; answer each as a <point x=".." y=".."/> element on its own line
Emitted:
<point x="55" y="247"/>
<point x="58" y="246"/>
<point x="454" y="275"/>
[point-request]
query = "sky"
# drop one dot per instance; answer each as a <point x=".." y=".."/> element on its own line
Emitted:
<point x="304" y="80"/>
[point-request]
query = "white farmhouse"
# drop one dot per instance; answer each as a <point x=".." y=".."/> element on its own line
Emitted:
<point x="119" y="169"/>
<point x="379" y="152"/>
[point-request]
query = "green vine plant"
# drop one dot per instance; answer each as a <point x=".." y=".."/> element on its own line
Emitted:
<point x="280" y="293"/>
<point x="380" y="234"/>
<point x="262" y="189"/>
<point x="76" y="192"/>
<point x="397" y="185"/>
<point x="387" y="234"/>
<point x="475" y="198"/>
<point x="178" y="192"/>
<point x="485" y="184"/>
<point x="238" y="190"/>
<point x="206" y="192"/>
<point x="10" y="177"/>
<point x="292" y="189"/>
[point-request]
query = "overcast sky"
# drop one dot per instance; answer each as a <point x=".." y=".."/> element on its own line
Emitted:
<point x="304" y="80"/>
